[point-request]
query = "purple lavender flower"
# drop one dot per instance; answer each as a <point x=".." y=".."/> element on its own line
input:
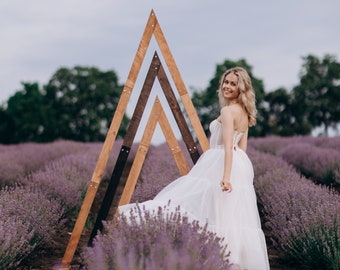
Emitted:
<point x="21" y="159"/>
<point x="156" y="241"/>
<point x="303" y="217"/>
<point x="15" y="243"/>
<point x="28" y="221"/>
<point x="320" y="164"/>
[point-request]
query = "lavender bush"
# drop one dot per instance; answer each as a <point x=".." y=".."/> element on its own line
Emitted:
<point x="64" y="180"/>
<point x="14" y="241"/>
<point x="28" y="222"/>
<point x="327" y="142"/>
<point x="318" y="158"/>
<point x="274" y="144"/>
<point x="271" y="145"/>
<point x="320" y="164"/>
<point x="263" y="162"/>
<point x="155" y="241"/>
<point x="22" y="159"/>
<point x="304" y="217"/>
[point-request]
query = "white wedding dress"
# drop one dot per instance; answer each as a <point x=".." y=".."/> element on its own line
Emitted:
<point x="232" y="215"/>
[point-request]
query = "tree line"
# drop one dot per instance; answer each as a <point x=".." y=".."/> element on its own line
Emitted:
<point x="76" y="104"/>
<point x="313" y="103"/>
<point x="79" y="103"/>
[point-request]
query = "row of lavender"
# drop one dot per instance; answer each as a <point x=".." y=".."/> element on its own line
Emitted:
<point x="317" y="158"/>
<point x="304" y="217"/>
<point x="20" y="159"/>
<point x="42" y="188"/>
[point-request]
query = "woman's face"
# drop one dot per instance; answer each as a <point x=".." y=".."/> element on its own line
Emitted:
<point x="229" y="87"/>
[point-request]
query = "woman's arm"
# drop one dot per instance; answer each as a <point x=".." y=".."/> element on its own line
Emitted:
<point x="227" y="133"/>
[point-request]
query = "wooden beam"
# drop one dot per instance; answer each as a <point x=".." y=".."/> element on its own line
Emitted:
<point x="177" y="153"/>
<point x="177" y="113"/>
<point x="177" y="78"/>
<point x="141" y="153"/>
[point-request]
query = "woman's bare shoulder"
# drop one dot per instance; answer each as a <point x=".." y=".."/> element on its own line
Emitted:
<point x="226" y="112"/>
<point x="233" y="109"/>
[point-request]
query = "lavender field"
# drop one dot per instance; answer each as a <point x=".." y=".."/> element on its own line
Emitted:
<point x="42" y="186"/>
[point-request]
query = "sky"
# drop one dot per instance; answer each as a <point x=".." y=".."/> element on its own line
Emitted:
<point x="40" y="36"/>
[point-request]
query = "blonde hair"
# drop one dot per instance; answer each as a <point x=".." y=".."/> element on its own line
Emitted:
<point x="247" y="95"/>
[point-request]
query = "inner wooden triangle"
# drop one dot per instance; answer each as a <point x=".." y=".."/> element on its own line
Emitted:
<point x="157" y="116"/>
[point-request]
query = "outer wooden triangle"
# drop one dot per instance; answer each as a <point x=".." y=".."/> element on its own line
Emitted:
<point x="152" y="28"/>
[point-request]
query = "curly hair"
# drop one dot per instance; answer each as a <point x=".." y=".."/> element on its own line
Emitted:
<point x="247" y="95"/>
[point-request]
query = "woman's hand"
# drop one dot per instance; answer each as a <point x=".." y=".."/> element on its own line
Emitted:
<point x="226" y="186"/>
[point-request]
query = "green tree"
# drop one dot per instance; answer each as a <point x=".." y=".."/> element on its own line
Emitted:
<point x="206" y="101"/>
<point x="279" y="113"/>
<point x="76" y="104"/>
<point x="317" y="97"/>
<point x="80" y="104"/>
<point x="24" y="114"/>
<point x="6" y="127"/>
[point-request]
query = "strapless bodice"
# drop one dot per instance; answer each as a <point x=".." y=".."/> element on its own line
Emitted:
<point x="216" y="139"/>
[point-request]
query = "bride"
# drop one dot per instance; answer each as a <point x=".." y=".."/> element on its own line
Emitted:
<point x="219" y="190"/>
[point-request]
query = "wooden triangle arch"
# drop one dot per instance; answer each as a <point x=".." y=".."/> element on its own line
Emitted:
<point x="152" y="28"/>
